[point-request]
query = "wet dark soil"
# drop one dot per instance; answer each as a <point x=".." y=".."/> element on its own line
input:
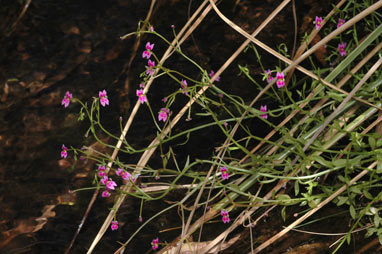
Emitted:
<point x="74" y="45"/>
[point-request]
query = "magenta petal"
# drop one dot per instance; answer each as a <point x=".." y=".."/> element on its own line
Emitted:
<point x="114" y="225"/>
<point x="149" y="46"/>
<point x="106" y="194"/>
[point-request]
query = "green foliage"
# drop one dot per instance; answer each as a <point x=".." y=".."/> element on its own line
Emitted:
<point x="344" y="148"/>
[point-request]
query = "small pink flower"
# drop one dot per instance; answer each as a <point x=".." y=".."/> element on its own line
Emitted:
<point x="110" y="184"/>
<point x="340" y="22"/>
<point x="104" y="180"/>
<point x="142" y="98"/>
<point x="140" y="219"/>
<point x="103" y="98"/>
<point x="134" y="178"/>
<point x="122" y="173"/>
<point x="268" y="74"/>
<point x="152" y="30"/>
<point x="280" y="79"/>
<point x="280" y="75"/>
<point x="106" y="194"/>
<point x="164" y="99"/>
<point x="163" y="114"/>
<point x="225" y="219"/>
<point x="150" y="68"/>
<point x="141" y="85"/>
<point x="264" y="109"/>
<point x="119" y="172"/>
<point x="149" y="46"/>
<point x="184" y="86"/>
<point x="147" y="52"/>
<point x="318" y="22"/>
<point x="155" y="244"/>
<point x="342" y="48"/>
<point x="224" y="213"/>
<point x="66" y="100"/>
<point x="114" y="225"/>
<point x="64" y="152"/>
<point x="101" y="171"/>
<point x="224" y="172"/>
<point x="212" y="73"/>
<point x="225" y="216"/>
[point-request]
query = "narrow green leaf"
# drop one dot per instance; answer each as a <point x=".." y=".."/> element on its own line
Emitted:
<point x="296" y="188"/>
<point x="348" y="238"/>
<point x="353" y="213"/>
<point x="340" y="163"/>
<point x="372" y="142"/>
<point x="322" y="161"/>
<point x="342" y="200"/>
<point x="377" y="220"/>
<point x="283" y="214"/>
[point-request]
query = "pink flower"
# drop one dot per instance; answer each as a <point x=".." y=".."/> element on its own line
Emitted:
<point x="110" y="184"/>
<point x="106" y="194"/>
<point x="147" y="52"/>
<point x="122" y="173"/>
<point x="318" y="22"/>
<point x="224" y="213"/>
<point x="264" y="109"/>
<point x="149" y="46"/>
<point x="103" y="98"/>
<point x="150" y="68"/>
<point x="163" y="114"/>
<point x="104" y="180"/>
<point x="142" y="98"/>
<point x="225" y="216"/>
<point x="340" y="22"/>
<point x="64" y="152"/>
<point x="268" y="74"/>
<point x="66" y="100"/>
<point x="224" y="172"/>
<point x="114" y="225"/>
<point x="135" y="177"/>
<point x="155" y="244"/>
<point x="184" y="86"/>
<point x="280" y="79"/>
<point x="342" y="48"/>
<point x="101" y="171"/>
<point x="212" y="73"/>
<point x="225" y="219"/>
